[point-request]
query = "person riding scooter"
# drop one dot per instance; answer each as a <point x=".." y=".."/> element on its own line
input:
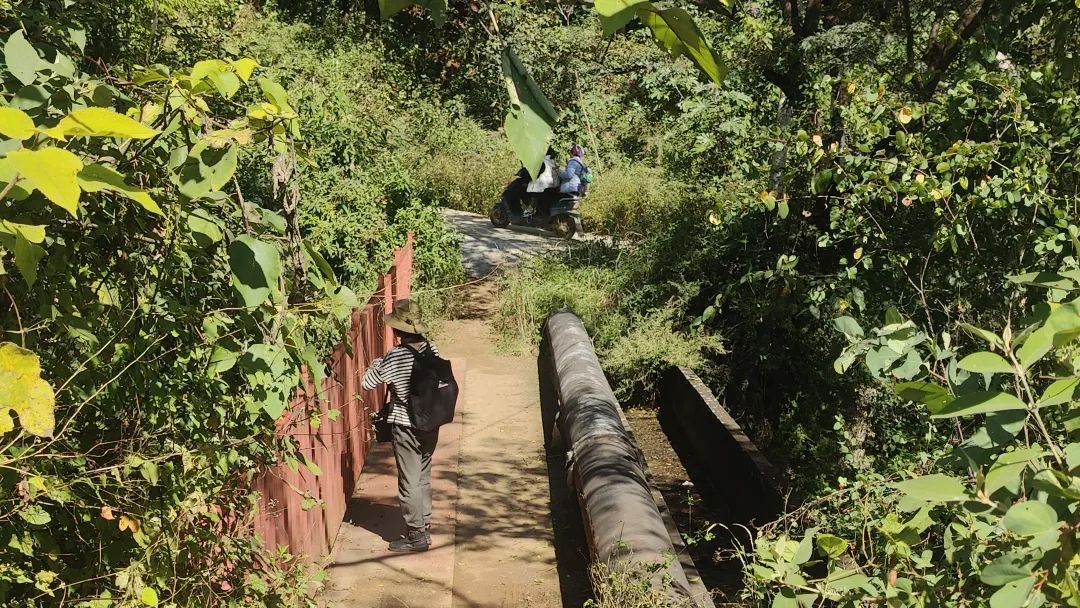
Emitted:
<point x="547" y="180"/>
<point x="577" y="176"/>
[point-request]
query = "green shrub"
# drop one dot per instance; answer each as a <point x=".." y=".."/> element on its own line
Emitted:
<point x="654" y="344"/>
<point x="468" y="167"/>
<point x="630" y="201"/>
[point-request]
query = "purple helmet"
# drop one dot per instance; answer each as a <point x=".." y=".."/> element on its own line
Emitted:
<point x="577" y="151"/>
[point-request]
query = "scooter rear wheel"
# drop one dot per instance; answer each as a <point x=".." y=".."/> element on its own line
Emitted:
<point x="499" y="217"/>
<point x="563" y="227"/>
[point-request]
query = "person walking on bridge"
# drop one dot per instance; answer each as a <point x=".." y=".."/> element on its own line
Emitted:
<point x="413" y="448"/>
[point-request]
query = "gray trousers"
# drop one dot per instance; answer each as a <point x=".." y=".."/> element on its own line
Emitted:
<point x="412" y="451"/>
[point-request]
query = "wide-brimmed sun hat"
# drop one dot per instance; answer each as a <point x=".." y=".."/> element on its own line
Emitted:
<point x="407" y="317"/>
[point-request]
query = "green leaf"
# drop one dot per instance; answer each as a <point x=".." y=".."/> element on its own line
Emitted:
<point x="256" y="266"/>
<point x="35" y="515"/>
<point x="51" y="171"/>
<point x="531" y="118"/>
<point x="782" y="209"/>
<point x="675" y="31"/>
<point x="821" y="181"/>
<point x="1006" y="569"/>
<point x="615" y="14"/>
<point x="806" y="548"/>
<point x="223" y="357"/>
<point x="1014" y="594"/>
<point x="933" y="488"/>
<point x="22" y="58"/>
<point x="149" y="472"/>
<point x="1059" y="392"/>
<point x="226" y="83"/>
<point x="986" y="363"/>
<point x="1008" y="468"/>
<point x="1061" y="327"/>
<point x="204" y="230"/>
<point x="931" y="395"/>
<point x="989" y="336"/>
<point x="1030" y="518"/>
<point x="27" y="257"/>
<point x="223" y="171"/>
<point x="149" y="596"/>
<point x="96" y="178"/>
<point x="831" y="546"/>
<point x="275" y="93"/>
<point x="1050" y="280"/>
<point x="980" y="402"/>
<point x="15" y="124"/>
<point x="848" y="326"/>
<point x="23" y="390"/>
<point x="101" y="122"/>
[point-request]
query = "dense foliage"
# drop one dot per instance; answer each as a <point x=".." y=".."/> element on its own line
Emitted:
<point x="179" y="234"/>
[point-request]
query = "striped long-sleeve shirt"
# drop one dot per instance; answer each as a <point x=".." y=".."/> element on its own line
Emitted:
<point x="395" y="370"/>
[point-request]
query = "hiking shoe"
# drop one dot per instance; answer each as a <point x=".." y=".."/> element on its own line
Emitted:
<point x="414" y="541"/>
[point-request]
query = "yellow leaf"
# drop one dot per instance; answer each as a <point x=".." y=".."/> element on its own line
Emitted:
<point x="920" y="178"/>
<point x="95" y="178"/>
<point x="23" y="390"/>
<point x="106" y="513"/>
<point x="149" y="596"/>
<point x="14" y="123"/>
<point x="204" y="68"/>
<point x="244" y="67"/>
<point x="851" y="87"/>
<point x="714" y="219"/>
<point x="52" y="172"/>
<point x="129" y="523"/>
<point x="937" y="193"/>
<point x="881" y="89"/>
<point x="817" y="140"/>
<point x="904" y="115"/>
<point x="102" y="122"/>
<point x="33" y="234"/>
<point x="858" y="253"/>
<point x="223" y="137"/>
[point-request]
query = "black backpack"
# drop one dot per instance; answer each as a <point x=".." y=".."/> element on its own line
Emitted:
<point x="433" y="391"/>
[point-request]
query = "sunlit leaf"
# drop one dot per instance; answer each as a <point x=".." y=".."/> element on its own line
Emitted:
<point x="96" y="178"/>
<point x="675" y="31"/>
<point x="933" y="488"/>
<point x="615" y="14"/>
<point x="22" y="58"/>
<point x="1059" y="391"/>
<point x="15" y="124"/>
<point x="244" y="67"/>
<point x="102" y="122"/>
<point x="986" y="363"/>
<point x="1030" y="518"/>
<point x="24" y="391"/>
<point x="980" y="402"/>
<point x="51" y="171"/>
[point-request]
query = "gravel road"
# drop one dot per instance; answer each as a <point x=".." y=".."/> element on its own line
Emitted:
<point x="487" y="249"/>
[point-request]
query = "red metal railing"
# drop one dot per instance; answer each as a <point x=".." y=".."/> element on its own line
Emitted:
<point x="337" y="447"/>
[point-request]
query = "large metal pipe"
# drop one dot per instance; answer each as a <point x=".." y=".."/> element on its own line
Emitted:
<point x="607" y="469"/>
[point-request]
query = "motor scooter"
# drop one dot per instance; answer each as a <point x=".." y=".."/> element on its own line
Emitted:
<point x="547" y="210"/>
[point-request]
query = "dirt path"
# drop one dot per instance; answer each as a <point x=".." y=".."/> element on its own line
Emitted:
<point x="505" y="554"/>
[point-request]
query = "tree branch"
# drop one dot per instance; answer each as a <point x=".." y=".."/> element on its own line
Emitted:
<point x="943" y="50"/>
